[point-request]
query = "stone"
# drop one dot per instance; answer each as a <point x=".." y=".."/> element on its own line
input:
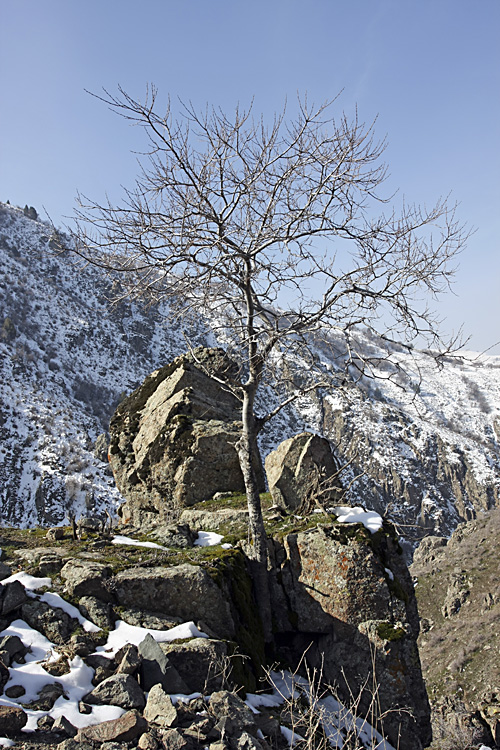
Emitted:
<point x="49" y="564"/>
<point x="54" y="623"/>
<point x="172" y="739"/>
<point x="159" y="708"/>
<point x="87" y="578"/>
<point x="14" y="647"/>
<point x="5" y="571"/>
<point x="147" y="741"/>
<point x="231" y="708"/>
<point x="15" y="691"/>
<point x="143" y="618"/>
<point x="101" y="447"/>
<point x="45" y="723"/>
<point x="118" y="690"/>
<point x="126" y="728"/>
<point x="185" y="591"/>
<point x="172" y="440"/>
<point x="14" y="595"/>
<point x="303" y="468"/>
<point x="47" y="696"/>
<point x="97" y="611"/>
<point x="12" y="719"/>
<point x="231" y="519"/>
<point x="202" y="663"/>
<point x="246" y="742"/>
<point x="175" y="535"/>
<point x="55" y="533"/>
<point x="63" y="726"/>
<point x="130" y="660"/>
<point x="156" y="668"/>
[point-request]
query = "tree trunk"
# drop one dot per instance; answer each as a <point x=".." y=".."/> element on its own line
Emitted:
<point x="259" y="556"/>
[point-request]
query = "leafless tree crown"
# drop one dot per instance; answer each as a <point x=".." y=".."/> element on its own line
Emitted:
<point x="281" y="228"/>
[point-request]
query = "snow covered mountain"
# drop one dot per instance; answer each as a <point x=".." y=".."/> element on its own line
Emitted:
<point x="428" y="453"/>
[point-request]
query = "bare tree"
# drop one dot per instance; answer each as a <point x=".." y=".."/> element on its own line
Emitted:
<point x="280" y="230"/>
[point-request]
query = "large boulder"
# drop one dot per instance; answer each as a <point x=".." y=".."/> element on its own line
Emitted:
<point x="172" y="440"/>
<point x="344" y="597"/>
<point x="301" y="470"/>
<point x="184" y="591"/>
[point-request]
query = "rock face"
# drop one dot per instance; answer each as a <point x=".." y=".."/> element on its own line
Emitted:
<point x="185" y="591"/>
<point x="458" y="593"/>
<point x="301" y="467"/>
<point x="172" y="440"/>
<point x="345" y="598"/>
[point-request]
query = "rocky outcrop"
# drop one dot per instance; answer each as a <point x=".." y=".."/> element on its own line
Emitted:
<point x="342" y="602"/>
<point x="458" y="594"/>
<point x="172" y="440"/>
<point x="302" y="470"/>
<point x="344" y="598"/>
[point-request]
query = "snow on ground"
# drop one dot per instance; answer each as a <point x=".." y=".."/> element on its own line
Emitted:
<point x="119" y="539"/>
<point x="339" y="722"/>
<point x="125" y="633"/>
<point x="208" y="539"/>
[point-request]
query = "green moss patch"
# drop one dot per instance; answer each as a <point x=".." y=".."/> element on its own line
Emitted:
<point x="389" y="632"/>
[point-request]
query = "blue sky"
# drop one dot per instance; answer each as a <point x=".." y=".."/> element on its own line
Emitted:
<point x="429" y="70"/>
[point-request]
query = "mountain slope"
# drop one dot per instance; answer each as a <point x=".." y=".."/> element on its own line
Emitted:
<point x="428" y="452"/>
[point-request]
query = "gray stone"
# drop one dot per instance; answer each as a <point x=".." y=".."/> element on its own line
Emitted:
<point x="5" y="571"/>
<point x="230" y="518"/>
<point x="118" y="690"/>
<point x="49" y="564"/>
<point x="159" y="708"/>
<point x="15" y="691"/>
<point x="334" y="582"/>
<point x="186" y="591"/>
<point x="47" y="696"/>
<point x="101" y="447"/>
<point x="129" y="659"/>
<point x="156" y="668"/>
<point x="202" y="663"/>
<point x="172" y="440"/>
<point x="14" y="647"/>
<point x="143" y="618"/>
<point x="87" y="578"/>
<point x="54" y="623"/>
<point x="173" y="740"/>
<point x="231" y="708"/>
<point x="14" y="595"/>
<point x="97" y="611"/>
<point x="303" y="468"/>
<point x="175" y="535"/>
<point x="147" y="742"/>
<point x="64" y="726"/>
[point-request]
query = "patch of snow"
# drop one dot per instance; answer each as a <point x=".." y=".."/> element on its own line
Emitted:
<point x="29" y="582"/>
<point x="135" y="542"/>
<point x="369" y="518"/>
<point x="125" y="633"/>
<point x="208" y="539"/>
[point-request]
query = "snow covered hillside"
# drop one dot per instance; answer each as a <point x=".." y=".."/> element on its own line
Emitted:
<point x="429" y="452"/>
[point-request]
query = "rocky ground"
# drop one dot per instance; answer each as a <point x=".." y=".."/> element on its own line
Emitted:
<point x="156" y="647"/>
